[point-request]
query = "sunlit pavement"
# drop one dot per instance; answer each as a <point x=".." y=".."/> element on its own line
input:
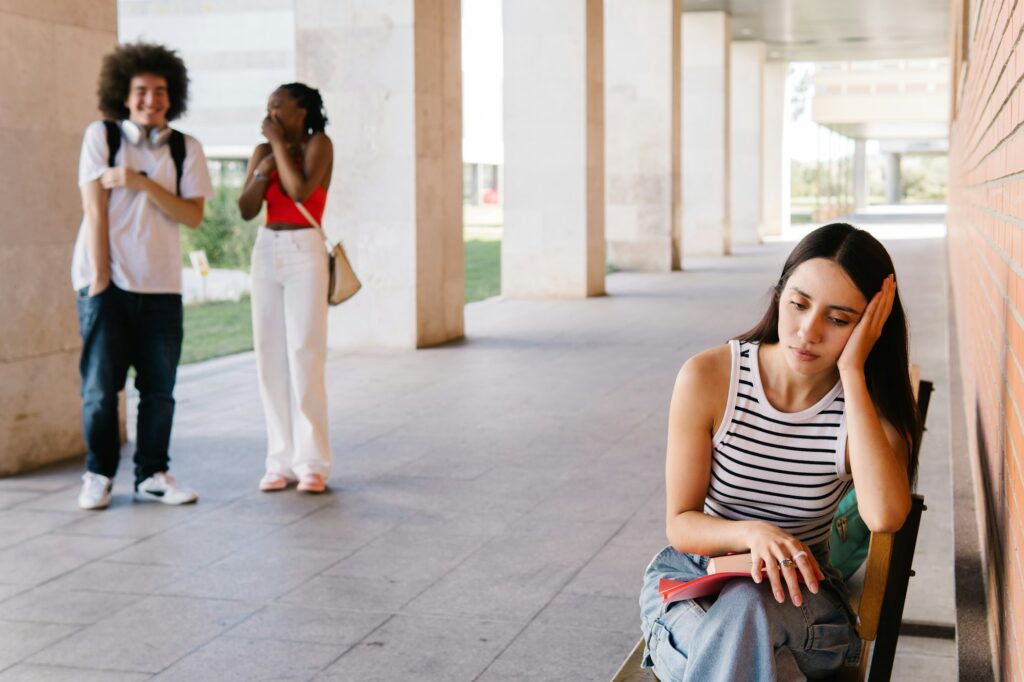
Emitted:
<point x="492" y="507"/>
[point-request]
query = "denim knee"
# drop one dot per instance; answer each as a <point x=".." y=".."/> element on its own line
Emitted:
<point x="98" y="397"/>
<point x="819" y="632"/>
<point x="752" y="611"/>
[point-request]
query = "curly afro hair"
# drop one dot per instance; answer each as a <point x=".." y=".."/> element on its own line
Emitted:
<point x="132" y="59"/>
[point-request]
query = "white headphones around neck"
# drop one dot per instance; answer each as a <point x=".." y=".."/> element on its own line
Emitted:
<point x="136" y="135"/>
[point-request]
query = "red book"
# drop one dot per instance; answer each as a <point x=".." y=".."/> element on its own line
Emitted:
<point x="730" y="563"/>
<point x="706" y="585"/>
<point x="675" y="590"/>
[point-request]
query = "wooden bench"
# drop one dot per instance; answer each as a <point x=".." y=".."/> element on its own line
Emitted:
<point x="880" y="606"/>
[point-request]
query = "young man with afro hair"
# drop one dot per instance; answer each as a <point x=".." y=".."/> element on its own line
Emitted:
<point x="139" y="181"/>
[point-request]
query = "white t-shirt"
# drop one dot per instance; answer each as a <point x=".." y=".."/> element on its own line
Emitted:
<point x="145" y="244"/>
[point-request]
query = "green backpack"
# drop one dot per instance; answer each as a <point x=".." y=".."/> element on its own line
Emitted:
<point x="848" y="546"/>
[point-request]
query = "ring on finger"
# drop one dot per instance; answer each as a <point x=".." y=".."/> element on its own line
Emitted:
<point x="798" y="555"/>
<point x="786" y="563"/>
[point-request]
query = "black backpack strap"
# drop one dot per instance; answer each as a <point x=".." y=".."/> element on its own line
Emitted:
<point x="113" y="140"/>
<point x="177" y="144"/>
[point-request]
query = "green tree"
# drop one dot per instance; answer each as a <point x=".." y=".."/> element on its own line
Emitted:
<point x="925" y="177"/>
<point x="224" y="236"/>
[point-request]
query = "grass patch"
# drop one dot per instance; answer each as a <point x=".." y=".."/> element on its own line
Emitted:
<point x="225" y="327"/>
<point x="483" y="269"/>
<point x="216" y="329"/>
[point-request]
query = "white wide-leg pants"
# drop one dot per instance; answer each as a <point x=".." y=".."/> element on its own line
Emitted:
<point x="289" y="324"/>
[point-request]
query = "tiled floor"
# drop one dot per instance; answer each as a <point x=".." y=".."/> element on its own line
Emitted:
<point x="493" y="505"/>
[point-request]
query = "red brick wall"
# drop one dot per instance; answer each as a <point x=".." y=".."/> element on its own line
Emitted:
<point x="986" y="257"/>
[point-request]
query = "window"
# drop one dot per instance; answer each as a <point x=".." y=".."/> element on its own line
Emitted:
<point x="490" y="192"/>
<point x="470" y="188"/>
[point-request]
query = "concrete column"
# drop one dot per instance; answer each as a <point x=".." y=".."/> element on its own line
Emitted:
<point x="746" y="126"/>
<point x="859" y="179"/>
<point x="846" y="175"/>
<point x="390" y="74"/>
<point x="642" y="132"/>
<point x="553" y="243"/>
<point x="834" y="198"/>
<point x="893" y="182"/>
<point x="775" y="160"/>
<point x="706" y="39"/>
<point x="53" y="56"/>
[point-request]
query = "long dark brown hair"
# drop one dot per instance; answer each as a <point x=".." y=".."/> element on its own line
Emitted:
<point x="887" y="369"/>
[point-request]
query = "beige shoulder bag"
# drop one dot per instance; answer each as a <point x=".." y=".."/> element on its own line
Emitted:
<point x="343" y="283"/>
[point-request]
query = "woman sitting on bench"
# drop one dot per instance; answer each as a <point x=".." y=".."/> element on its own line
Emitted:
<point x="766" y="435"/>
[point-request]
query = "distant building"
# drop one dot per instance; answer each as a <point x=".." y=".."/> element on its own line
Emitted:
<point x="901" y="103"/>
<point x="238" y="52"/>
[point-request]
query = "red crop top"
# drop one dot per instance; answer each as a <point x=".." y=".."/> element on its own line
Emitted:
<point x="281" y="208"/>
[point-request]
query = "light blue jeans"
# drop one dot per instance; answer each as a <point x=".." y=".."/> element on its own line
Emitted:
<point x="744" y="634"/>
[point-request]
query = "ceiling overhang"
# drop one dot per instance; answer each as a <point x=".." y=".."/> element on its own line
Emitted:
<point x="838" y="30"/>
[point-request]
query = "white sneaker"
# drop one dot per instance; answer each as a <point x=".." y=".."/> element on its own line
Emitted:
<point x="162" y="487"/>
<point x="95" y="493"/>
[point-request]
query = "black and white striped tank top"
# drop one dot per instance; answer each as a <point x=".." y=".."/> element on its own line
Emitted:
<point x="787" y="468"/>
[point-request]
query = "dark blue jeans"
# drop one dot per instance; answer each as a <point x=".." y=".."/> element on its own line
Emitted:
<point x="122" y="329"/>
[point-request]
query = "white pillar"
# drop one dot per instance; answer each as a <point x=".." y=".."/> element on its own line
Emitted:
<point x="51" y="56"/>
<point x="706" y="38"/>
<point x="390" y="74"/>
<point x="860" y="175"/>
<point x="893" y="182"/>
<point x="553" y="243"/>
<point x="834" y="199"/>
<point x="642" y="134"/>
<point x="746" y="125"/>
<point x="775" y="162"/>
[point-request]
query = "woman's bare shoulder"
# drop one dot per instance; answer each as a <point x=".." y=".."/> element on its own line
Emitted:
<point x="319" y="140"/>
<point x="712" y="365"/>
<point x="706" y="375"/>
<point x="702" y="385"/>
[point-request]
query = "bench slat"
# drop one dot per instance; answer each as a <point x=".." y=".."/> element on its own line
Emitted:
<point x="631" y="670"/>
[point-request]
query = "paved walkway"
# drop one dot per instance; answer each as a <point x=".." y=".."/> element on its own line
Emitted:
<point x="493" y="506"/>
